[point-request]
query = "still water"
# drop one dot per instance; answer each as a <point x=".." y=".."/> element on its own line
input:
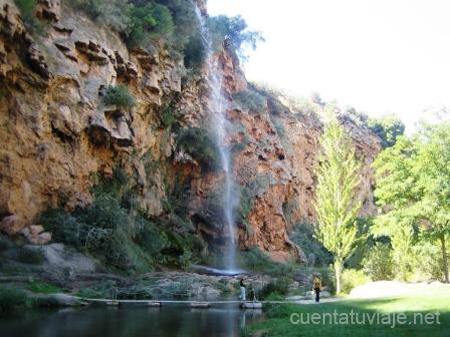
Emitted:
<point x="127" y="322"/>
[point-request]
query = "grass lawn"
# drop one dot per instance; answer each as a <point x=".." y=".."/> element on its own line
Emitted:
<point x="427" y="301"/>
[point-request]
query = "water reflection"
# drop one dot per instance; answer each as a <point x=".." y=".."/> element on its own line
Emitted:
<point x="138" y="322"/>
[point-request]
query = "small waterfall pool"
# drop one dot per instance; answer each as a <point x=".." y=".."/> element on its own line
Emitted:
<point x="132" y="322"/>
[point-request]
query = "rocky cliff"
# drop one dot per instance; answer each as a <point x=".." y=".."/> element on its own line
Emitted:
<point x="57" y="134"/>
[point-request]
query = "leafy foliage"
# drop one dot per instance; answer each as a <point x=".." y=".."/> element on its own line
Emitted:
<point x="167" y="116"/>
<point x="201" y="146"/>
<point x="251" y="100"/>
<point x="43" y="288"/>
<point x="12" y="301"/>
<point x="413" y="189"/>
<point x="144" y="23"/>
<point x="352" y="278"/>
<point x="147" y="21"/>
<point x="378" y="263"/>
<point x="428" y="260"/>
<point x="123" y="239"/>
<point x="388" y="128"/>
<point x="279" y="286"/>
<point x="257" y="261"/>
<point x="232" y="33"/>
<point x="27" y="8"/>
<point x="335" y="204"/>
<point x="317" y="255"/>
<point x="111" y="13"/>
<point x="106" y="229"/>
<point x="195" y="53"/>
<point x="119" y="96"/>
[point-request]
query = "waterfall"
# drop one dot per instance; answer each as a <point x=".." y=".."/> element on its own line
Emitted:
<point x="219" y="122"/>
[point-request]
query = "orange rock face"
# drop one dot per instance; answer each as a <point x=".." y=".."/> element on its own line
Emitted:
<point x="56" y="133"/>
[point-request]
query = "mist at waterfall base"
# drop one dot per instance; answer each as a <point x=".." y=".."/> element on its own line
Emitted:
<point x="220" y="130"/>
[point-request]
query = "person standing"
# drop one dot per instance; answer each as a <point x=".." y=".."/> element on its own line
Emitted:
<point x="317" y="286"/>
<point x="242" y="284"/>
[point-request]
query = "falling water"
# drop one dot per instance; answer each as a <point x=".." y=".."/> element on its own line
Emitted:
<point x="219" y="104"/>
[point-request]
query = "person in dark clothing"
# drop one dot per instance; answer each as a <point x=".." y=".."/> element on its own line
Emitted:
<point x="317" y="287"/>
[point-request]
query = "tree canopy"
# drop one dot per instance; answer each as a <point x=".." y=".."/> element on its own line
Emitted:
<point x="413" y="189"/>
<point x="233" y="33"/>
<point x="388" y="128"/>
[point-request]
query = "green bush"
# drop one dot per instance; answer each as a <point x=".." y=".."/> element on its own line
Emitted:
<point x="149" y="21"/>
<point x="111" y="13"/>
<point x="187" y="259"/>
<point x="428" y="261"/>
<point x="279" y="287"/>
<point x="119" y="96"/>
<point x="141" y="22"/>
<point x="12" y="301"/>
<point x="103" y="230"/>
<point x="186" y="25"/>
<point x="201" y="146"/>
<point x="251" y="100"/>
<point x="108" y="231"/>
<point x="167" y="116"/>
<point x="27" y="8"/>
<point x="43" y="288"/>
<point x="151" y="239"/>
<point x="91" y="293"/>
<point x="378" y="263"/>
<point x="255" y="260"/>
<point x="388" y="128"/>
<point x="352" y="278"/>
<point x="195" y="53"/>
<point x="317" y="255"/>
<point x="30" y="256"/>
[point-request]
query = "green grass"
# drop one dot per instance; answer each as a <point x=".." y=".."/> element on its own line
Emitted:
<point x="428" y="301"/>
<point x="43" y="288"/>
<point x="12" y="301"/>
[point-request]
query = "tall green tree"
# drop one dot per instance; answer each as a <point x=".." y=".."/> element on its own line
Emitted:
<point x="433" y="170"/>
<point x="335" y="202"/>
<point x="413" y="191"/>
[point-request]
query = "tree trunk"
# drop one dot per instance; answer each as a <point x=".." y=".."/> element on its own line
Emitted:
<point x="444" y="258"/>
<point x="338" y="271"/>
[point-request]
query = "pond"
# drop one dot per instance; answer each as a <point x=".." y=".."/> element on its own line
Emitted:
<point x="132" y="322"/>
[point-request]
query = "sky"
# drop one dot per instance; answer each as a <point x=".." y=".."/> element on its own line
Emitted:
<point x="379" y="56"/>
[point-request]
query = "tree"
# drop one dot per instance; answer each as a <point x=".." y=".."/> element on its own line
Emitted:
<point x="388" y="128"/>
<point x="433" y="170"/>
<point x="335" y="202"/>
<point x="232" y="33"/>
<point x="396" y="189"/>
<point x="413" y="190"/>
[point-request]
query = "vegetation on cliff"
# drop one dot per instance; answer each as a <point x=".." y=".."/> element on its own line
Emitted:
<point x="117" y="234"/>
<point x="145" y="23"/>
<point x="119" y="96"/>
